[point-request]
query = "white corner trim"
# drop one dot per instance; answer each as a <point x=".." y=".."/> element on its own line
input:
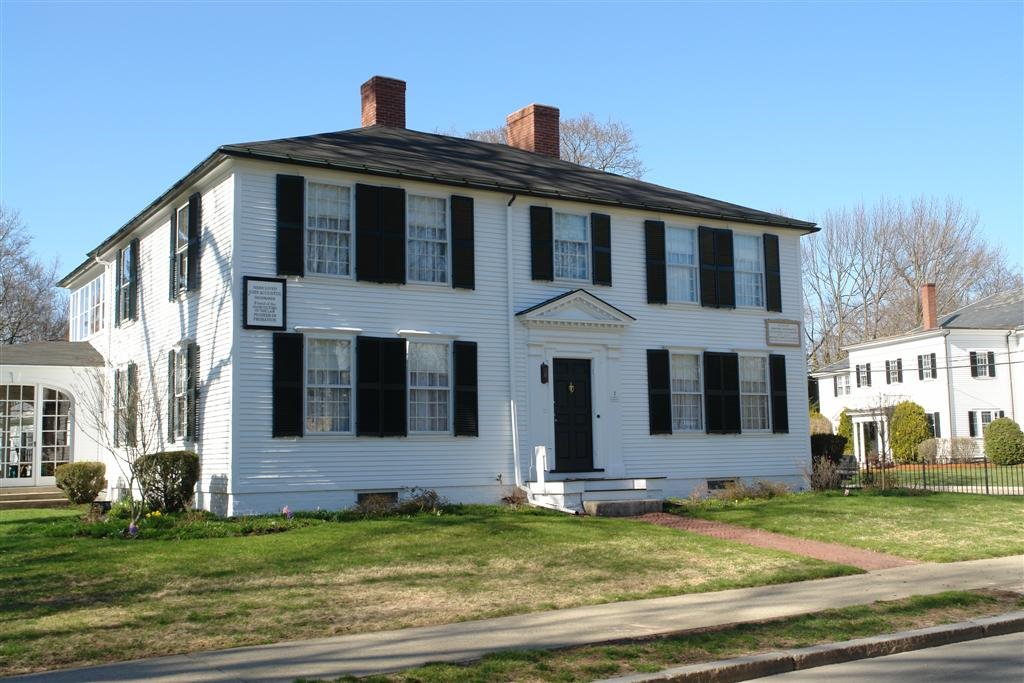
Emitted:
<point x="336" y="330"/>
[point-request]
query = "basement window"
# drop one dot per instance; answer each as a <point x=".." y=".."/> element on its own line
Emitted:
<point x="719" y="484"/>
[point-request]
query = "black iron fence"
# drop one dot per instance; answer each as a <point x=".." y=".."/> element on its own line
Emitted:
<point x="975" y="476"/>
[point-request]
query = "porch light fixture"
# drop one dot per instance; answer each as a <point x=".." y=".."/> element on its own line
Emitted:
<point x="543" y="373"/>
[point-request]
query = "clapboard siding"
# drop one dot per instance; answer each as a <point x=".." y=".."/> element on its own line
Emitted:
<point x="268" y="471"/>
<point x="204" y="316"/>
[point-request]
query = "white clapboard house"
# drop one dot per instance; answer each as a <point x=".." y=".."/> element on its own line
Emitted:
<point x="965" y="369"/>
<point x="362" y="311"/>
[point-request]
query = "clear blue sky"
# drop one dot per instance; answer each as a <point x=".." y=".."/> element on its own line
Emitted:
<point x="796" y="107"/>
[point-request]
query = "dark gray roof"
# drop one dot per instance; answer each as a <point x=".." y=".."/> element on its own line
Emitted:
<point x="1002" y="311"/>
<point x="51" y="353"/>
<point x="400" y="152"/>
<point x="404" y="153"/>
<point x="836" y="366"/>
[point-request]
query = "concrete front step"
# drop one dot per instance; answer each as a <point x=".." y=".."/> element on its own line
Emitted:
<point x="34" y="503"/>
<point x="31" y="495"/>
<point x="622" y="508"/>
<point x="621" y="494"/>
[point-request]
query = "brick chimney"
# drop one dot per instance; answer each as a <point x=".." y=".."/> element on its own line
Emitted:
<point x="929" y="316"/>
<point x="535" y="129"/>
<point x="383" y="102"/>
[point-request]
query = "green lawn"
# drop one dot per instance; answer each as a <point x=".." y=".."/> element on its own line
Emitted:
<point x="654" y="654"/>
<point x="935" y="527"/>
<point x="67" y="599"/>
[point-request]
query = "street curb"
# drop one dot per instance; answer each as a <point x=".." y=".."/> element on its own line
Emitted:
<point x="771" y="663"/>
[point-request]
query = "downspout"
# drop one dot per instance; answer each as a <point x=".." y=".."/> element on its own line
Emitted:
<point x="510" y="300"/>
<point x="949" y="387"/>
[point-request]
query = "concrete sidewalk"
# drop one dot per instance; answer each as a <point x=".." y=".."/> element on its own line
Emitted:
<point x="391" y="650"/>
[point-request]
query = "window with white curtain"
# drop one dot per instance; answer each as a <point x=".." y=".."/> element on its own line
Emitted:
<point x="427" y="241"/>
<point x="686" y="393"/>
<point x="86" y="317"/>
<point x="749" y="270"/>
<point x="681" y="264"/>
<point x="328" y="229"/>
<point x="328" y="385"/>
<point x="429" y="387"/>
<point x="753" y="393"/>
<point x="572" y="247"/>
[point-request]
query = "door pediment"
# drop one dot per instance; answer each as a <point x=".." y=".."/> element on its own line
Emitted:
<point x="577" y="309"/>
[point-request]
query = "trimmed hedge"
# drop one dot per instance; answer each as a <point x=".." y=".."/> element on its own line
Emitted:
<point x="81" y="482"/>
<point x="169" y="479"/>
<point x="1004" y="442"/>
<point x="908" y="428"/>
<point x="845" y="430"/>
<point x="828" y="446"/>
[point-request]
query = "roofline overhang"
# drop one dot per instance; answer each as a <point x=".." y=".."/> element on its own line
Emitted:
<point x="245" y="152"/>
<point x="899" y="339"/>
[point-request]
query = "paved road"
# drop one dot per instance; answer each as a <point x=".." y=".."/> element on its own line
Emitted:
<point x="990" y="659"/>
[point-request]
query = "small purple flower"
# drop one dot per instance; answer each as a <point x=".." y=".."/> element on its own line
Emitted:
<point x="286" y="512"/>
<point x="133" y="530"/>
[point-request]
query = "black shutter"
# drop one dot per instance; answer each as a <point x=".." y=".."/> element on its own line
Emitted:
<point x="726" y="276"/>
<point x="117" y="288"/>
<point x="722" y="393"/>
<point x="857" y="374"/>
<point x="659" y="391"/>
<point x="132" y="403"/>
<point x="287" y="383"/>
<point x="717" y="283"/>
<point x="192" y="418"/>
<point x="867" y="373"/>
<point x="392" y="232"/>
<point x="170" y="395"/>
<point x="133" y="282"/>
<point x="972" y="423"/>
<point x="368" y="238"/>
<point x="887" y="366"/>
<point x="835" y="386"/>
<point x="780" y="401"/>
<point x="117" y="408"/>
<point x="542" y="257"/>
<point x="1000" y="414"/>
<point x="929" y="419"/>
<point x="463" y="249"/>
<point x="172" y="280"/>
<point x="920" y="367"/>
<point x="601" y="248"/>
<point x="381" y="390"/>
<point x="974" y="364"/>
<point x="935" y="369"/>
<point x="936" y="426"/>
<point x="708" y="267"/>
<point x="195" y="222"/>
<point x="368" y="386"/>
<point x="772" y="273"/>
<point x="465" y="411"/>
<point x="654" y="242"/>
<point x="899" y="370"/>
<point x="291" y="204"/>
<point x="991" y="364"/>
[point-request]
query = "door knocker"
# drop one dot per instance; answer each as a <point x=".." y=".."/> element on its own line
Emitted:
<point x="572" y="388"/>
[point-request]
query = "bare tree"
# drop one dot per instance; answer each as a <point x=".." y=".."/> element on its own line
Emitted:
<point x="31" y="308"/>
<point x="608" y="146"/>
<point x="863" y="271"/>
<point x="122" y="412"/>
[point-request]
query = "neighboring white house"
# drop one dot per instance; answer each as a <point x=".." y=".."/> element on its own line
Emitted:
<point x="360" y="311"/>
<point x="965" y="369"/>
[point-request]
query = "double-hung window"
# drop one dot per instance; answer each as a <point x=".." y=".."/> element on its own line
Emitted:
<point x="754" y="393"/>
<point x="328" y="229"/>
<point x="181" y="249"/>
<point x="926" y="366"/>
<point x="572" y="247"/>
<point x="894" y="371"/>
<point x="429" y="387"/>
<point x="180" y="395"/>
<point x="842" y="385"/>
<point x="687" y="393"/>
<point x="328" y="385"/>
<point x="864" y="375"/>
<point x="427" y="239"/>
<point x="749" y="269"/>
<point x="979" y="420"/>
<point x="681" y="264"/>
<point x="125" y="283"/>
<point x="87" y="310"/>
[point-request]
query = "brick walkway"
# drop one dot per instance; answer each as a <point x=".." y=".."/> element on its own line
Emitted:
<point x="829" y="552"/>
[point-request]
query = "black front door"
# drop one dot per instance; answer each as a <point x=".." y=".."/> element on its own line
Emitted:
<point x="574" y="435"/>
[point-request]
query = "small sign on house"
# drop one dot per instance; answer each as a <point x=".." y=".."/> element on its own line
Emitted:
<point x="782" y="332"/>
<point x="264" y="303"/>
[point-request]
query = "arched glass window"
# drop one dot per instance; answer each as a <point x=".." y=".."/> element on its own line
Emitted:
<point x="17" y="431"/>
<point x="55" y="432"/>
